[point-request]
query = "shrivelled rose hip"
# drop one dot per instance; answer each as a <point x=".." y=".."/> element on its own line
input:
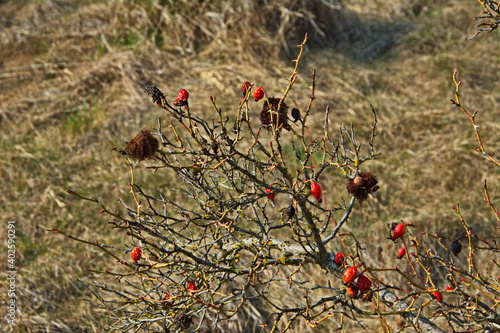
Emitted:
<point x="295" y="114"/>
<point x="244" y="87"/>
<point x="182" y="97"/>
<point x="456" y="247"/>
<point x="290" y="212"/>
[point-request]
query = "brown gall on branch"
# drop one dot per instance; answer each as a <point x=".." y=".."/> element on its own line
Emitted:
<point x="143" y="146"/>
<point x="362" y="185"/>
<point x="274" y="114"/>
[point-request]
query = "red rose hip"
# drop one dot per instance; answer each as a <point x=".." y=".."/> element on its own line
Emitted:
<point x="438" y="296"/>
<point x="182" y="97"/>
<point x="270" y="194"/>
<point x="192" y="286"/>
<point x="352" y="291"/>
<point x="167" y="299"/>
<point x="350" y="274"/>
<point x="398" y="231"/>
<point x="316" y="191"/>
<point x="258" y="94"/>
<point x="339" y="258"/>
<point x="136" y="254"/>
<point x="401" y="252"/>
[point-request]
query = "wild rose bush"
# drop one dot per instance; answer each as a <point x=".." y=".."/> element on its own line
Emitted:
<point x="247" y="222"/>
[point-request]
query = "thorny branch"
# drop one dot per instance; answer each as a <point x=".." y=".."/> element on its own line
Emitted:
<point x="472" y="119"/>
<point x="491" y="12"/>
<point x="246" y="221"/>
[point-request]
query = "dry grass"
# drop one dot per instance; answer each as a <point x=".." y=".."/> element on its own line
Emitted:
<point x="71" y="81"/>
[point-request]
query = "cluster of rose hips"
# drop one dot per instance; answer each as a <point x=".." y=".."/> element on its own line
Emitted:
<point x="258" y="93"/>
<point x="397" y="231"/>
<point x="357" y="284"/>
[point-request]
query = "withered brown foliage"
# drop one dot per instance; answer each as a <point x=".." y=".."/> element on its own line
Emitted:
<point x="144" y="145"/>
<point x="271" y="116"/>
<point x="156" y="94"/>
<point x="362" y="185"/>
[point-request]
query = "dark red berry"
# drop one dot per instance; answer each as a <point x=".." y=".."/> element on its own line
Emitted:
<point x="290" y="212"/>
<point x="295" y="115"/>
<point x="244" y="88"/>
<point x="363" y="283"/>
<point x="456" y="247"/>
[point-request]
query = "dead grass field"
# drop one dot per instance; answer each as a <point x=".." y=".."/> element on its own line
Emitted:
<point x="71" y="88"/>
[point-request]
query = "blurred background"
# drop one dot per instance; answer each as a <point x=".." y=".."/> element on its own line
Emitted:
<point x="72" y="75"/>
